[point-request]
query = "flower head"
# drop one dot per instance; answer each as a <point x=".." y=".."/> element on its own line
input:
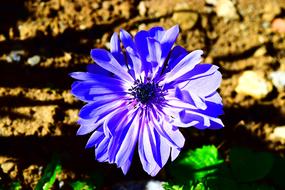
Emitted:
<point x="138" y="97"/>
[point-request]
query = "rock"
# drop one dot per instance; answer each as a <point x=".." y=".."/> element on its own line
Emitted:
<point x="15" y="56"/>
<point x="260" y="51"/>
<point x="186" y="20"/>
<point x="7" y="166"/>
<point x="278" y="79"/>
<point x="226" y="9"/>
<point x="2" y="38"/>
<point x="142" y="8"/>
<point x="265" y="25"/>
<point x="278" y="25"/>
<point x="154" y="185"/>
<point x="67" y="56"/>
<point x="61" y="184"/>
<point x="211" y="2"/>
<point x="34" y="60"/>
<point x="253" y="84"/>
<point x="278" y="133"/>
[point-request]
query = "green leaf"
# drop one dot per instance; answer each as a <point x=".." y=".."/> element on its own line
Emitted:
<point x="248" y="165"/>
<point x="199" y="186"/>
<point x="197" y="164"/>
<point x="191" y="186"/>
<point x="93" y="180"/>
<point x="168" y="186"/>
<point x="52" y="170"/>
<point x="82" y="185"/>
<point x="16" y="185"/>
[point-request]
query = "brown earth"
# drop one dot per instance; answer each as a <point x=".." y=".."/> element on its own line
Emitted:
<point x="38" y="115"/>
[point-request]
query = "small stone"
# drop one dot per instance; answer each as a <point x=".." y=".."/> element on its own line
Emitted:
<point x="211" y="2"/>
<point x="61" y="184"/>
<point x="265" y="25"/>
<point x="253" y="84"/>
<point x="82" y="27"/>
<point x="226" y="9"/>
<point x="260" y="51"/>
<point x="142" y="8"/>
<point x="154" y="185"/>
<point x="34" y="60"/>
<point x="15" y="56"/>
<point x="278" y="25"/>
<point x="2" y="38"/>
<point x="67" y="56"/>
<point x="278" y="133"/>
<point x="95" y="5"/>
<point x="142" y="27"/>
<point x="186" y="20"/>
<point x="261" y="39"/>
<point x="7" y="166"/>
<point x="106" y="5"/>
<point x="278" y="79"/>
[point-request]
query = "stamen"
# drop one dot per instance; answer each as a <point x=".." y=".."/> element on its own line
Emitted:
<point x="146" y="93"/>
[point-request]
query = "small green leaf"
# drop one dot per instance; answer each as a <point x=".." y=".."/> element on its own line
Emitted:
<point x="248" y="165"/>
<point x="82" y="185"/>
<point x="168" y="186"/>
<point x="16" y="185"/>
<point x="197" y="164"/>
<point x="47" y="180"/>
<point x="199" y="186"/>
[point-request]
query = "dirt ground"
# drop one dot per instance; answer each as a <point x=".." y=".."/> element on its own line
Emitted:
<point x="42" y="41"/>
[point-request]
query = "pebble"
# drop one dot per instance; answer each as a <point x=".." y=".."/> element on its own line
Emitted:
<point x="265" y="25"/>
<point x="67" y="56"/>
<point x="2" y="38"/>
<point x="154" y="185"/>
<point x="211" y="2"/>
<point x="61" y="184"/>
<point x="278" y="79"/>
<point x="34" y="60"/>
<point x="253" y="84"/>
<point x="186" y="20"/>
<point x="260" y="51"/>
<point x="142" y="8"/>
<point x="226" y="9"/>
<point x="278" y="133"/>
<point x="278" y="25"/>
<point x="7" y="166"/>
<point x="15" y="56"/>
<point x="95" y="5"/>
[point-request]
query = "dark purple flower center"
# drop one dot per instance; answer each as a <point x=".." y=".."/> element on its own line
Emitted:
<point x="146" y="93"/>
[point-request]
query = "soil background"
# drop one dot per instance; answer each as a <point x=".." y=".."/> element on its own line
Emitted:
<point x="42" y="41"/>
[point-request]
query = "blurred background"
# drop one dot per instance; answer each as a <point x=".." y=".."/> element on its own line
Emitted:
<point x="42" y="41"/>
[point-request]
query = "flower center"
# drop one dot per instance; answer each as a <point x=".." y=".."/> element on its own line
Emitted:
<point x="146" y="93"/>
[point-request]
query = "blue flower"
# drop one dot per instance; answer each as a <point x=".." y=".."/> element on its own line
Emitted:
<point x="139" y="96"/>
